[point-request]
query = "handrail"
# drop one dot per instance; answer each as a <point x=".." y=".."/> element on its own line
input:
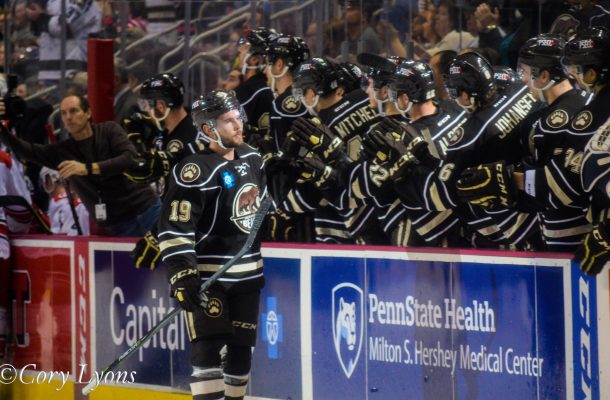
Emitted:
<point x="233" y="14"/>
<point x="41" y="92"/>
<point x="150" y="37"/>
<point x="203" y="35"/>
<point x="176" y="68"/>
<point x="290" y="10"/>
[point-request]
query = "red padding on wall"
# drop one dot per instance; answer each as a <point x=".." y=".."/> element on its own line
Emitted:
<point x="100" y="86"/>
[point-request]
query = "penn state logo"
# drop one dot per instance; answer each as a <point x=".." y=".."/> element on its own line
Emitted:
<point x="348" y="325"/>
<point x="190" y="172"/>
<point x="174" y="146"/>
<point x="290" y="104"/>
<point x="245" y="204"/>
<point x="557" y="119"/>
<point x="582" y="120"/>
<point x="214" y="308"/>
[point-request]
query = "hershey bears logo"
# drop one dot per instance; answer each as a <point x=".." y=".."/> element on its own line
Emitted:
<point x="245" y="204"/>
<point x="214" y="308"/>
<point x="582" y="121"/>
<point x="190" y="172"/>
<point x="174" y="146"/>
<point x="557" y="119"/>
<point x="290" y="104"/>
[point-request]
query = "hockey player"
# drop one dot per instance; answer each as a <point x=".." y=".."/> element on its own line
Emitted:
<point x="379" y="71"/>
<point x="60" y="212"/>
<point x="586" y="61"/>
<point x="550" y="180"/>
<point x="484" y="138"/>
<point x="163" y="95"/>
<point x="253" y="93"/>
<point x="206" y="217"/>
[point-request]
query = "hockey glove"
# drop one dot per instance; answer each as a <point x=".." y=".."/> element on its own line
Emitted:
<point x="280" y="225"/>
<point x="313" y="169"/>
<point x="146" y="253"/>
<point x="382" y="148"/>
<point x="141" y="130"/>
<point x="594" y="252"/>
<point x="150" y="166"/>
<point x="316" y="137"/>
<point x="266" y="148"/>
<point x="487" y="185"/>
<point x="186" y="288"/>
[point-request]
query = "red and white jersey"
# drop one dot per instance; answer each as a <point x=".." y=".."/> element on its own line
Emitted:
<point x="13" y="183"/>
<point x="62" y="220"/>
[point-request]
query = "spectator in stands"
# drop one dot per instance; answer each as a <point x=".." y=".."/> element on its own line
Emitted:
<point x="20" y="28"/>
<point x="60" y="212"/>
<point x="82" y="18"/>
<point x="359" y="31"/>
<point x="232" y="81"/>
<point x="93" y="161"/>
<point x="446" y="25"/>
<point x="125" y="100"/>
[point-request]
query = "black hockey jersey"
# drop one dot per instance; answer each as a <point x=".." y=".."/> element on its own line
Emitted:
<point x="207" y="215"/>
<point x="285" y="110"/>
<point x="256" y="97"/>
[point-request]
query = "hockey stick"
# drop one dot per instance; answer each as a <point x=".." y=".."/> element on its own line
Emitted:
<point x="259" y="217"/>
<point x="10" y="200"/>
<point x="79" y="230"/>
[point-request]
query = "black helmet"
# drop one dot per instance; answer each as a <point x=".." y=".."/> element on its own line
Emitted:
<point x="318" y="74"/>
<point x="504" y="76"/>
<point x="590" y="48"/>
<point x="471" y="73"/>
<point x="259" y="39"/>
<point x="351" y="76"/>
<point x="166" y="87"/>
<point x="207" y="108"/>
<point x="380" y="69"/>
<point x="414" y="78"/>
<point x="544" y="52"/>
<point x="292" y="49"/>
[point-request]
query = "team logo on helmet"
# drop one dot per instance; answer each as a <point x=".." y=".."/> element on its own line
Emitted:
<point x="557" y="119"/>
<point x="290" y="104"/>
<point x="245" y="204"/>
<point x="582" y="121"/>
<point x="214" y="308"/>
<point x="190" y="172"/>
<point x="174" y="146"/>
<point x="455" y="70"/>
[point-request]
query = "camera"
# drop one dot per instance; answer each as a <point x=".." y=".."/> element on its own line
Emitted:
<point x="14" y="106"/>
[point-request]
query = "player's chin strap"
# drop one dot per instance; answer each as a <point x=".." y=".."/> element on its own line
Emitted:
<point x="311" y="109"/>
<point x="469" y="108"/>
<point x="540" y="91"/>
<point x="274" y="77"/>
<point x="158" y="120"/>
<point x="245" y="67"/>
<point x="380" y="103"/>
<point x="405" y="111"/>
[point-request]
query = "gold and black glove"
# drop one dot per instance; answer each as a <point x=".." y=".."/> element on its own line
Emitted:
<point x="313" y="169"/>
<point x="186" y="288"/>
<point x="487" y="185"/>
<point x="146" y="253"/>
<point x="150" y="166"/>
<point x="594" y="252"/>
<point x="318" y="138"/>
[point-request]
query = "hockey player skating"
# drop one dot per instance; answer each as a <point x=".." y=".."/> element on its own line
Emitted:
<point x="206" y="217"/>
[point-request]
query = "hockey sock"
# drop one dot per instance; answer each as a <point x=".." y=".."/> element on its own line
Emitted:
<point x="207" y="384"/>
<point x="235" y="386"/>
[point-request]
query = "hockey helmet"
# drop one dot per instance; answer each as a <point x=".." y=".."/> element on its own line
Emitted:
<point x="471" y="73"/>
<point x="380" y="69"/>
<point x="48" y="179"/>
<point x="166" y="87"/>
<point x="258" y="39"/>
<point x="588" y="49"/>
<point x="208" y="108"/>
<point x="504" y="76"/>
<point x="318" y="74"/>
<point x="414" y="78"/>
<point x="292" y="49"/>
<point x="544" y="52"/>
<point x="351" y="77"/>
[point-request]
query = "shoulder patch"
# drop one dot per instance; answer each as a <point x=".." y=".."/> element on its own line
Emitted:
<point x="557" y="119"/>
<point x="582" y="120"/>
<point x="190" y="172"/>
<point x="290" y="104"/>
<point x="600" y="142"/>
<point x="228" y="179"/>
<point x="455" y="136"/>
<point x="175" y="145"/>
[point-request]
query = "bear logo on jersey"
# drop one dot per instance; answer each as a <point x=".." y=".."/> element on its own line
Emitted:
<point x="245" y="204"/>
<point x="214" y="308"/>
<point x="557" y="119"/>
<point x="582" y="121"/>
<point x="290" y="104"/>
<point x="174" y="146"/>
<point x="190" y="172"/>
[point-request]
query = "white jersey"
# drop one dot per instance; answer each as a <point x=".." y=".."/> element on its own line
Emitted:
<point x="62" y="220"/>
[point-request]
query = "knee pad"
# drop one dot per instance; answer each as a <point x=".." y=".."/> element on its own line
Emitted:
<point x="206" y="353"/>
<point x="238" y="360"/>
